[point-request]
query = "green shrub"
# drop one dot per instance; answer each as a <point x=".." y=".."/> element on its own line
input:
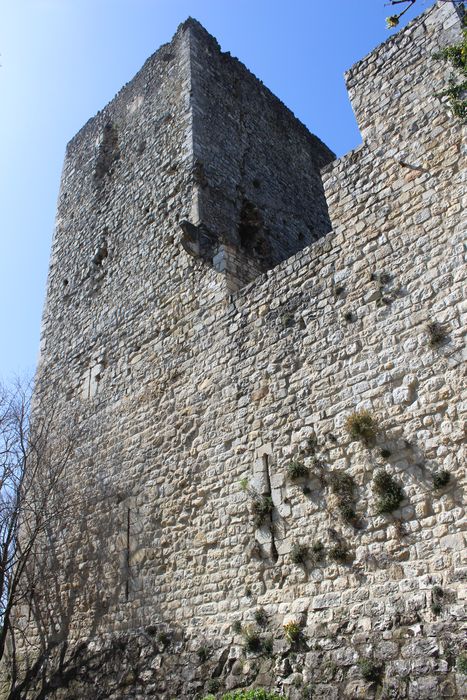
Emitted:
<point x="213" y="685"/>
<point x="268" y="646"/>
<point x="441" y="479"/>
<point x="292" y="631"/>
<point x="261" y="617"/>
<point x="252" y="694"/>
<point x="370" y="670"/>
<point x="262" y="509"/>
<point x="296" y="470"/>
<point x="361" y="425"/>
<point x="237" y="627"/>
<point x="317" y="551"/>
<point x="163" y="638"/>
<point x="343" y="486"/>
<point x="390" y="494"/>
<point x="437" y="595"/>
<point x="462" y="664"/>
<point x="253" y="642"/>
<point x="203" y="653"/>
<point x="299" y="553"/>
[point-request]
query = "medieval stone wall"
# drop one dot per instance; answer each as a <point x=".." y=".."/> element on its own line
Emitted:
<point x="194" y="404"/>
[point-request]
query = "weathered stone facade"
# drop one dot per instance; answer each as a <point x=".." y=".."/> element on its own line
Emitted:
<point x="216" y="311"/>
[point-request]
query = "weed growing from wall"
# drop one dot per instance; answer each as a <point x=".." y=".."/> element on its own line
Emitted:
<point x="343" y="486"/>
<point x="456" y="93"/>
<point x="262" y="508"/>
<point x="441" y="479"/>
<point x="299" y="554"/>
<point x="362" y="425"/>
<point x="252" y="640"/>
<point x="370" y="670"/>
<point x="461" y="664"/>
<point x="261" y="617"/>
<point x="252" y="694"/>
<point x="203" y="653"/>
<point x="389" y="491"/>
<point x="297" y="470"/>
<point x="292" y="631"/>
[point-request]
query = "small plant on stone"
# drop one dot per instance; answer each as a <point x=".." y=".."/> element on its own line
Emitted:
<point x="299" y="554"/>
<point x="213" y="685"/>
<point x="237" y="627"/>
<point x="297" y="470"/>
<point x="349" y="317"/>
<point x="437" y="595"/>
<point x="343" y="486"/>
<point x="461" y="664"/>
<point x="262" y="509"/>
<point x="339" y="552"/>
<point x="385" y="453"/>
<point x="252" y="694"/>
<point x="163" y="638"/>
<point x="252" y="640"/>
<point x="203" y="653"/>
<point x="292" y="631"/>
<point x="244" y="484"/>
<point x="268" y="646"/>
<point x="437" y="333"/>
<point x="307" y="691"/>
<point x="317" y="551"/>
<point x="362" y="425"/>
<point x="370" y="670"/>
<point x="261" y="617"/>
<point x="390" y="494"/>
<point x="441" y="479"/>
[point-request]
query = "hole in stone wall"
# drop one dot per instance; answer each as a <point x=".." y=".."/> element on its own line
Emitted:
<point x="65" y="283"/>
<point x="101" y="253"/>
<point x="250" y="226"/>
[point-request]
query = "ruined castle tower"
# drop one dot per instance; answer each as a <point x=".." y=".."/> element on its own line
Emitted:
<point x="223" y="296"/>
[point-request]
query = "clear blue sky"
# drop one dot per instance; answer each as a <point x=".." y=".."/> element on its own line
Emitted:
<point x="63" y="60"/>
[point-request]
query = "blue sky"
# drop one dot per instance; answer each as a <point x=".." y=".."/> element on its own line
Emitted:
<point x="63" y="60"/>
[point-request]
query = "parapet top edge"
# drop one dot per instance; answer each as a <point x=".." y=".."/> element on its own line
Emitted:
<point x="383" y="46"/>
<point x="182" y="27"/>
<point x="196" y="25"/>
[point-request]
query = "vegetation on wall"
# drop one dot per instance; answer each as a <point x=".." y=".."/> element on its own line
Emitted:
<point x="389" y="492"/>
<point x="456" y="55"/>
<point x="253" y="694"/>
<point x="361" y="425"/>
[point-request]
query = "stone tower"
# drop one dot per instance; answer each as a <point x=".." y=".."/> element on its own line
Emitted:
<point x="222" y="297"/>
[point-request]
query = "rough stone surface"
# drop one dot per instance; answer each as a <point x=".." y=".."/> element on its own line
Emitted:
<point x="209" y="334"/>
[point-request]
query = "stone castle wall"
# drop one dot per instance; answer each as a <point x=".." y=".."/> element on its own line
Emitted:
<point x="194" y="400"/>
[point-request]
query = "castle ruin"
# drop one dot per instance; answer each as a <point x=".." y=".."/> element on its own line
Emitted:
<point x="251" y="331"/>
